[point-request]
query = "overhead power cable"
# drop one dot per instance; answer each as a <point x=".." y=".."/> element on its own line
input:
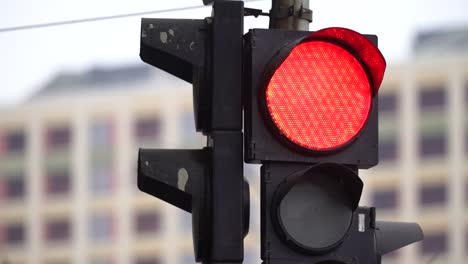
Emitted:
<point x="95" y="19"/>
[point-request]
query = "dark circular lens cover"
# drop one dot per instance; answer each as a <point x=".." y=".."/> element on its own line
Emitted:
<point x="314" y="208"/>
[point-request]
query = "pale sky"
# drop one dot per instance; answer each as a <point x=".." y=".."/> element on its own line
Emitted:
<point x="29" y="58"/>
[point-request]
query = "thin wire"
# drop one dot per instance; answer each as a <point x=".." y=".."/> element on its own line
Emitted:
<point x="94" y="19"/>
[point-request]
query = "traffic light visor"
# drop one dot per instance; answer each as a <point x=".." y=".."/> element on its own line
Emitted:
<point x="320" y="96"/>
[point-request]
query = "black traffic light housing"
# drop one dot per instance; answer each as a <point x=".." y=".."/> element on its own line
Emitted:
<point x="326" y="223"/>
<point x="262" y="141"/>
<point x="309" y="199"/>
<point x="297" y="206"/>
<point x="208" y="182"/>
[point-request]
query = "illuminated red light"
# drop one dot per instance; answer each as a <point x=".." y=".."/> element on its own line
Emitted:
<point x="320" y="96"/>
<point x="367" y="52"/>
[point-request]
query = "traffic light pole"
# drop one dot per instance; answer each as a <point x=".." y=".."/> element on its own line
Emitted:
<point x="290" y="14"/>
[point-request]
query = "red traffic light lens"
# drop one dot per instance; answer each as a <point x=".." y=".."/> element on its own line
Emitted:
<point x="320" y="96"/>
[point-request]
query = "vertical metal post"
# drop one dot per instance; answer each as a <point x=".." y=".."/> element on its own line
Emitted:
<point x="227" y="181"/>
<point x="290" y="14"/>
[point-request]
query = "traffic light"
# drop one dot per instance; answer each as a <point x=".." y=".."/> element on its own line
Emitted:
<point x="206" y="182"/>
<point x="302" y="104"/>
<point x="311" y="97"/>
<point x="311" y="120"/>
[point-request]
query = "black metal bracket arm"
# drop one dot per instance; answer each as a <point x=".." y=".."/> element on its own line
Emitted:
<point x="181" y="177"/>
<point x="174" y="45"/>
<point x="174" y="176"/>
<point x="391" y="236"/>
<point x="254" y="12"/>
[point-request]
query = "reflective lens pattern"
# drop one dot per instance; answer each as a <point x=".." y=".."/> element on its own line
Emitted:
<point x="320" y="96"/>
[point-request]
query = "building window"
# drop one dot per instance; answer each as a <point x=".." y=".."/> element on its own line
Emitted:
<point x="189" y="136"/>
<point x="57" y="230"/>
<point x="433" y="195"/>
<point x="432" y="98"/>
<point x="14" y="186"/>
<point x="388" y="150"/>
<point x="432" y="145"/>
<point x="14" y="234"/>
<point x="433" y="123"/>
<point x="466" y="120"/>
<point x="101" y="227"/>
<point x="466" y="135"/>
<point x="15" y="142"/>
<point x="388" y="103"/>
<point x="58" y="182"/>
<point x="147" y="260"/>
<point x="387" y="199"/>
<point x="147" y="222"/>
<point x="147" y="128"/>
<point x="101" y="174"/>
<point x="101" y="179"/>
<point x="187" y="124"/>
<point x="185" y="222"/>
<point x="466" y="196"/>
<point x="388" y="123"/>
<point x="101" y="133"/>
<point x="466" y="92"/>
<point x="435" y="243"/>
<point x="58" y="138"/>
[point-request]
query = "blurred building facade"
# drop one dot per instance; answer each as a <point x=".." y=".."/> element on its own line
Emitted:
<point x="423" y="134"/>
<point x="68" y="166"/>
<point x="68" y="170"/>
